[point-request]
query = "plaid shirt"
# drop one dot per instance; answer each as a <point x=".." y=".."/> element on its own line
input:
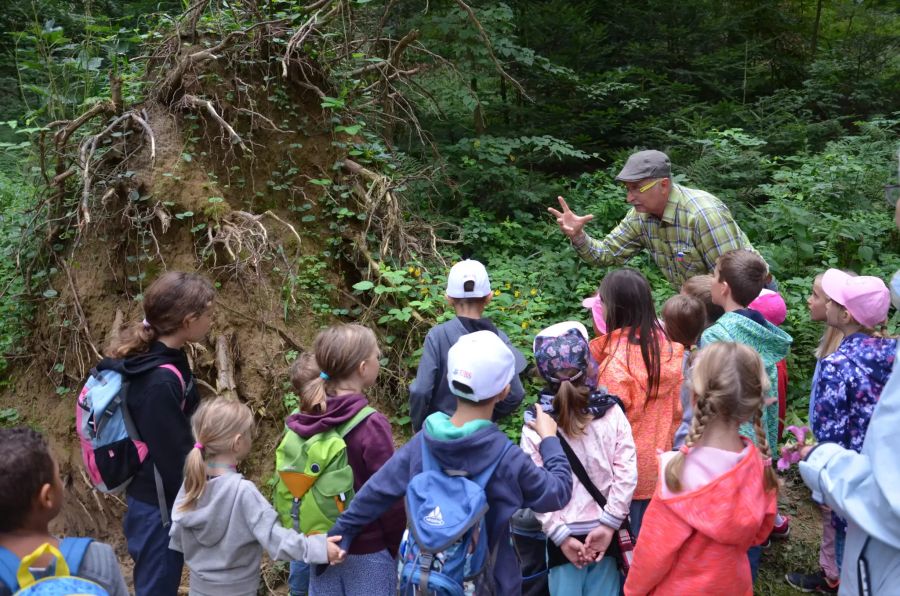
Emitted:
<point x="694" y="230"/>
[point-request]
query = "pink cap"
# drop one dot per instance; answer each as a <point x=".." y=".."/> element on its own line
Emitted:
<point x="770" y="305"/>
<point x="596" y="305"/>
<point x="866" y="298"/>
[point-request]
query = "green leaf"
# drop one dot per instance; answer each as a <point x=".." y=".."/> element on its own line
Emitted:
<point x="362" y="286"/>
<point x="51" y="293"/>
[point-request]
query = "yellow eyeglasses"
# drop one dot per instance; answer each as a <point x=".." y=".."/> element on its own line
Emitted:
<point x="644" y="188"/>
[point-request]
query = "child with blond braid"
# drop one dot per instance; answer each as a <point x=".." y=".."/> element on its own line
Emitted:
<point x="717" y="494"/>
<point x="221" y="522"/>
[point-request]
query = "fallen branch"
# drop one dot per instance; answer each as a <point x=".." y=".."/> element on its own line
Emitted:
<point x="225" y="385"/>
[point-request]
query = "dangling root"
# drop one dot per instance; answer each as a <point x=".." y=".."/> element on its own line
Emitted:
<point x="205" y="104"/>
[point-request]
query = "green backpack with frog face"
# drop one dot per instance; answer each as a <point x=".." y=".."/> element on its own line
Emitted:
<point x="315" y="480"/>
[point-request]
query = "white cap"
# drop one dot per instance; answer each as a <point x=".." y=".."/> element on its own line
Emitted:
<point x="482" y="362"/>
<point x="464" y="271"/>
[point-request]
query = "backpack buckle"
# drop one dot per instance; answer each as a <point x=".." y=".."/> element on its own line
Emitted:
<point x="425" y="561"/>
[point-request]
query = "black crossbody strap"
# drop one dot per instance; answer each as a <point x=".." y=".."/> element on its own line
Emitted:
<point x="580" y="472"/>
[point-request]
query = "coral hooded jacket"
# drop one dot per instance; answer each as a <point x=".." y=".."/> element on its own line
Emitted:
<point x="696" y="542"/>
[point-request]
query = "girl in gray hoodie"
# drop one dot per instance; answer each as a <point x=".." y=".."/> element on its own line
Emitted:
<point x="221" y="522"/>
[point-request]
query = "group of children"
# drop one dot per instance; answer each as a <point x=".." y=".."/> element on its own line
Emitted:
<point x="654" y="434"/>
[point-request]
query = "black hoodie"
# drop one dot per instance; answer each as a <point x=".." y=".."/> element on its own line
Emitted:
<point x="154" y="399"/>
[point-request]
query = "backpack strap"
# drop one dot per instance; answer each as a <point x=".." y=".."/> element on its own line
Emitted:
<point x="364" y="413"/>
<point x="9" y="566"/>
<point x="133" y="432"/>
<point x="73" y="551"/>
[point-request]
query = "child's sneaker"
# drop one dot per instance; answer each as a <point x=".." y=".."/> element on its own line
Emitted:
<point x="781" y="530"/>
<point x="813" y="582"/>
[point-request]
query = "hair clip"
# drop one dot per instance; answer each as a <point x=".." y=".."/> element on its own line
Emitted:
<point x="146" y="324"/>
<point x="324" y="375"/>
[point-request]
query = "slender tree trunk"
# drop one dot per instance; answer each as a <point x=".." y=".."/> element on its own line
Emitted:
<point x="815" y="35"/>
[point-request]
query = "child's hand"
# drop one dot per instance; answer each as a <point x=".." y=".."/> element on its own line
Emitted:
<point x="543" y="424"/>
<point x="336" y="554"/>
<point x="794" y="452"/>
<point x="598" y="540"/>
<point x="574" y="551"/>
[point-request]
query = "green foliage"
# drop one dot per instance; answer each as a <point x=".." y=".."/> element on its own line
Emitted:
<point x="16" y="306"/>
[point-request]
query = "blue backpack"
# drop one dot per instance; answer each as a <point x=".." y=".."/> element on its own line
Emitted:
<point x="445" y="548"/>
<point x="111" y="446"/>
<point x="17" y="578"/>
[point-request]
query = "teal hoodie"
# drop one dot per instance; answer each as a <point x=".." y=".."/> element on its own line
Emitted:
<point x="772" y="344"/>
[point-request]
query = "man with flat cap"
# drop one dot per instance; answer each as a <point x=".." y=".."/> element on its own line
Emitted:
<point x="684" y="229"/>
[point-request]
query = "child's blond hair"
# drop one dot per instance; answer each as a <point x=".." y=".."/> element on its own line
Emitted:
<point x="337" y="353"/>
<point x="216" y="425"/>
<point x="728" y="381"/>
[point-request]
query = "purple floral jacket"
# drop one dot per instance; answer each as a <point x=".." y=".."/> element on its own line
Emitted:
<point x="848" y="387"/>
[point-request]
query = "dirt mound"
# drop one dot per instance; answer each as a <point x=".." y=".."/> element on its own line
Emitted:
<point x="167" y="186"/>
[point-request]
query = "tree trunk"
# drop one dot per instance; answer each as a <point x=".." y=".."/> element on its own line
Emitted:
<point x="815" y="35"/>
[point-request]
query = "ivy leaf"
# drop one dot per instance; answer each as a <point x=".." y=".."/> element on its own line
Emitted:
<point x="362" y="286"/>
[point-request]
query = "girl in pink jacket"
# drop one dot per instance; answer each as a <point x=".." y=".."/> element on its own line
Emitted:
<point x="598" y="434"/>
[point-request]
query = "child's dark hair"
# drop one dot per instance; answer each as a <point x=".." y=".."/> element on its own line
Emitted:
<point x="684" y="318"/>
<point x="168" y="301"/>
<point x="336" y="354"/>
<point x="728" y="381"/>
<point x="628" y="303"/>
<point x="25" y="466"/>
<point x="700" y="287"/>
<point x="745" y="272"/>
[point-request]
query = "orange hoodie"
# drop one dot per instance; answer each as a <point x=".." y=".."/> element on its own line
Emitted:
<point x="653" y="422"/>
<point x="696" y="542"/>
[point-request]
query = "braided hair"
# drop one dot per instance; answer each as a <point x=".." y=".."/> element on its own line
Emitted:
<point x="728" y="381"/>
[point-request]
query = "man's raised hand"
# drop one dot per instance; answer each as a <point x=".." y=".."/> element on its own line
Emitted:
<point x="572" y="225"/>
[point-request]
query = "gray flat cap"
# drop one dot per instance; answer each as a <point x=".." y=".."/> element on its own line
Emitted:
<point x="645" y="164"/>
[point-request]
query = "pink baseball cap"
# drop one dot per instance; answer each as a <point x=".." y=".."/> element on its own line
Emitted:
<point x="866" y="298"/>
<point x="596" y="307"/>
<point x="770" y="305"/>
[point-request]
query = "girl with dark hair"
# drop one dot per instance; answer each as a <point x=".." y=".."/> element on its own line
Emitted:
<point x="640" y="366"/>
<point x="161" y="397"/>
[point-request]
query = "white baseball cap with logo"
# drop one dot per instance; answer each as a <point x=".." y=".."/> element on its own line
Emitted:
<point x="464" y="272"/>
<point x="479" y="366"/>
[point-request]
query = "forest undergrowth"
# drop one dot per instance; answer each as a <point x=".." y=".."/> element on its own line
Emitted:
<point x="328" y="162"/>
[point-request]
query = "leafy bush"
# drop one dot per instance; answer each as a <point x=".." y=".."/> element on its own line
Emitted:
<point x="16" y="309"/>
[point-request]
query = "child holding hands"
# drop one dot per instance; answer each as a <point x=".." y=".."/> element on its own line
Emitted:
<point x="594" y="430"/>
<point x="221" y="522"/>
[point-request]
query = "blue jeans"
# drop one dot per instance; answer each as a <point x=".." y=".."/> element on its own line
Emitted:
<point x="754" y="555"/>
<point x="157" y="568"/>
<point x="298" y="580"/>
<point x="840" y="538"/>
<point x="636" y="513"/>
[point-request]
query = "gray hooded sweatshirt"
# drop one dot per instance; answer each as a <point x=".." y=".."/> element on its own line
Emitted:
<point x="223" y="537"/>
